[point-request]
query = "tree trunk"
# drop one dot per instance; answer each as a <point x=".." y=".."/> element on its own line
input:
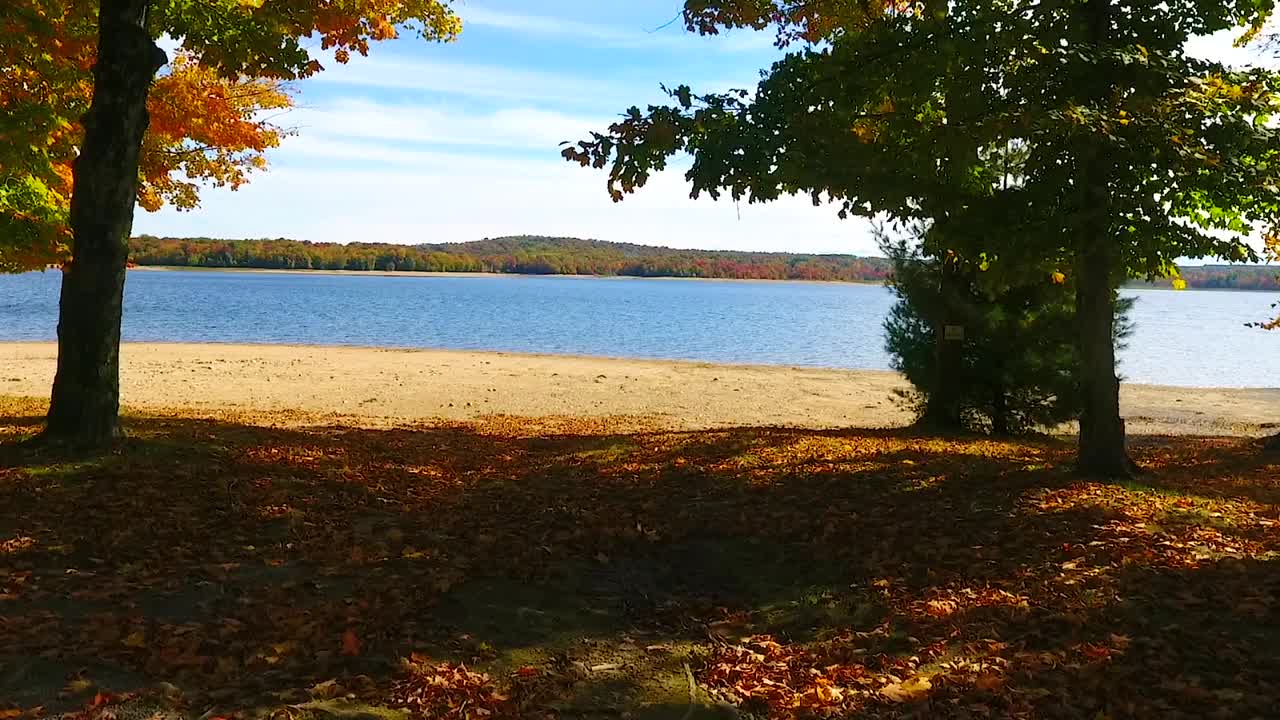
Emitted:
<point x="999" y="412"/>
<point x="1272" y="443"/>
<point x="84" y="410"/>
<point x="1102" y="437"/>
<point x="1102" y="449"/>
<point x="943" y="407"/>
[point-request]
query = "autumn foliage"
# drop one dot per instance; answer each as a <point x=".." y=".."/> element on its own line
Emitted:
<point x="206" y="128"/>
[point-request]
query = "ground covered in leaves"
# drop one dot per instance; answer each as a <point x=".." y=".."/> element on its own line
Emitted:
<point x="579" y="569"/>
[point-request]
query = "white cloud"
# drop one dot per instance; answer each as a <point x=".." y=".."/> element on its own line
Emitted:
<point x="459" y="198"/>
<point x="515" y="127"/>
<point x="1221" y="47"/>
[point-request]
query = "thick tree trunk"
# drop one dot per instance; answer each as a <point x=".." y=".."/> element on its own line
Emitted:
<point x="1102" y="449"/>
<point x="84" y="410"/>
<point x="943" y="408"/>
<point x="1102" y="437"/>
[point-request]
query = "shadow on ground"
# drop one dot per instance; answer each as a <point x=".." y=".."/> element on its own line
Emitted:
<point x="584" y="573"/>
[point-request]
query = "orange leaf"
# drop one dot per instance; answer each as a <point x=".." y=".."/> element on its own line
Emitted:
<point x="941" y="608"/>
<point x="350" y="643"/>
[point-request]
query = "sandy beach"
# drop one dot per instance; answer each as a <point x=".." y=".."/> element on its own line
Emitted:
<point x="370" y="386"/>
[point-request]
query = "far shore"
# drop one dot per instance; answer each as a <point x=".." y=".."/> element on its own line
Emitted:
<point x="436" y="274"/>
<point x="379" y="387"/>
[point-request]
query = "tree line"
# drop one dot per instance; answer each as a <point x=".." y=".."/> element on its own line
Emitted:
<point x="530" y="255"/>
<point x="537" y="255"/>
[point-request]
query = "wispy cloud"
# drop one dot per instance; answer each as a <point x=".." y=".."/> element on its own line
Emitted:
<point x="467" y="79"/>
<point x="510" y="127"/>
<point x="665" y="35"/>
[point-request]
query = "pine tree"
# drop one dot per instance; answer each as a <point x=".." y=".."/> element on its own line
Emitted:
<point x="1018" y="366"/>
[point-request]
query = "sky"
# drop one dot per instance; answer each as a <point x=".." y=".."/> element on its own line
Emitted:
<point x="423" y="142"/>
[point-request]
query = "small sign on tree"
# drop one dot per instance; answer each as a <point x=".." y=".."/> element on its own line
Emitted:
<point x="953" y="332"/>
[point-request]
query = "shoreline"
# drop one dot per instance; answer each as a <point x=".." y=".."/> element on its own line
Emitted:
<point x="482" y="275"/>
<point x="398" y="386"/>
<point x="440" y="274"/>
<point x="553" y="356"/>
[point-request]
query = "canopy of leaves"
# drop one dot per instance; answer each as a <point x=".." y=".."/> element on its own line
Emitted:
<point x="264" y="38"/>
<point x="985" y="116"/>
<point x="210" y="110"/>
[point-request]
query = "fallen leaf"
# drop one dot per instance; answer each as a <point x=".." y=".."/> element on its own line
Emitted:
<point x="909" y="690"/>
<point x="351" y="644"/>
<point x="989" y="681"/>
<point x="75" y="687"/>
<point x="941" y="608"/>
<point x="326" y="690"/>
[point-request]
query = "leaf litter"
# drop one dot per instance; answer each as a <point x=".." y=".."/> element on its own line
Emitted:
<point x="570" y="569"/>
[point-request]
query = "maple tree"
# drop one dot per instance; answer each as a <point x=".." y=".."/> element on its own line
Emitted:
<point x="205" y="128"/>
<point x="1075" y="137"/>
<point x="118" y="165"/>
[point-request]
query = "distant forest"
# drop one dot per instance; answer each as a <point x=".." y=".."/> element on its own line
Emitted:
<point x="524" y="255"/>
<point x="533" y="255"/>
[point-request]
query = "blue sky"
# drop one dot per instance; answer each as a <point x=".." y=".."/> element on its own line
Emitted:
<point x="438" y="143"/>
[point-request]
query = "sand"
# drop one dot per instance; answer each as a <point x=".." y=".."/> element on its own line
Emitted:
<point x="381" y="386"/>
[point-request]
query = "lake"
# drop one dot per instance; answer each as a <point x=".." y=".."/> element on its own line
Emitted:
<point x="1191" y="338"/>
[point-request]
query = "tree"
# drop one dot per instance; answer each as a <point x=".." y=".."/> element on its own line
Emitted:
<point x="1018" y="361"/>
<point x="232" y="38"/>
<point x="1073" y="137"/>
<point x="204" y="129"/>
<point x="1273" y="254"/>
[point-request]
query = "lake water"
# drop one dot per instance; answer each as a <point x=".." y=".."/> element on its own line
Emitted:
<point x="1192" y="338"/>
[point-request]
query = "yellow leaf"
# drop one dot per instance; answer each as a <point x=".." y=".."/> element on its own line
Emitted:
<point x="1058" y="278"/>
<point x="910" y="690"/>
<point x="1179" y="284"/>
<point x="137" y="639"/>
<point x="78" y="686"/>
